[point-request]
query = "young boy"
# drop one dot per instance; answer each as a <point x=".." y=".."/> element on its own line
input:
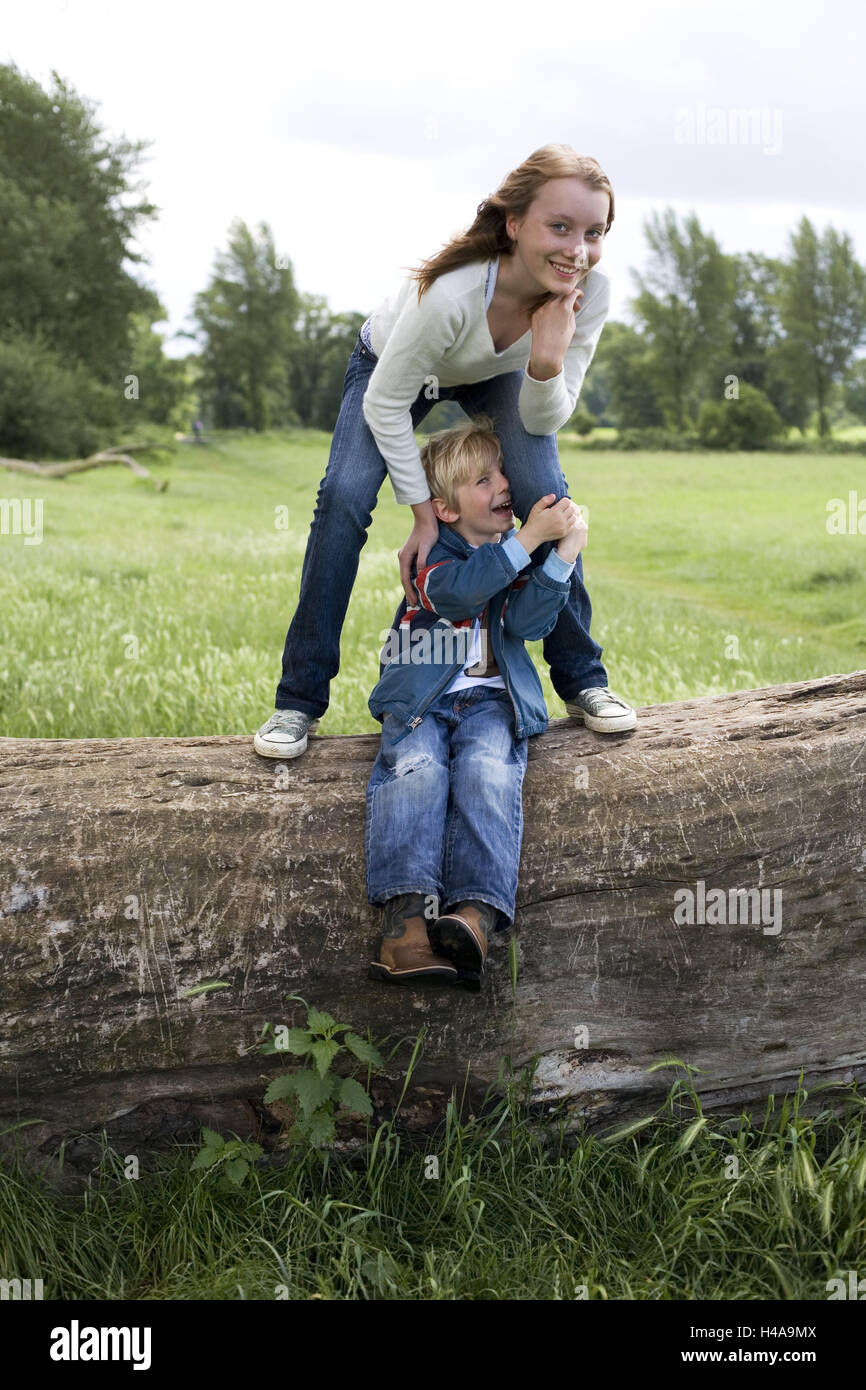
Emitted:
<point x="458" y="698"/>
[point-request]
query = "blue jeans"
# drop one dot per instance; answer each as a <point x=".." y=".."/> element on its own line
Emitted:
<point x="445" y="804"/>
<point x="344" y="507"/>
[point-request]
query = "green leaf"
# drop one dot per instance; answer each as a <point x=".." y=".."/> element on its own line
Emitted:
<point x="320" y="1128"/>
<point x="206" y="1158"/>
<point x="628" y="1130"/>
<point x="363" y="1050"/>
<point x="324" y="1052"/>
<point x="212" y="1139"/>
<point x="320" y="1022"/>
<point x="691" y="1134"/>
<point x="204" y="989"/>
<point x="354" y="1097"/>
<point x="237" y="1170"/>
<point x="313" y="1090"/>
<point x="673" y="1062"/>
<point x="283" y="1087"/>
<point x="826" y="1206"/>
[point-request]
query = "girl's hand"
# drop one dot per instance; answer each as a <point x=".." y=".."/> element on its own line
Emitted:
<point x="424" y="535"/>
<point x="552" y="330"/>
<point x="574" y="540"/>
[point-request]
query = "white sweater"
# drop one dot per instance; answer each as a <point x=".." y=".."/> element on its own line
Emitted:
<point x="446" y="337"/>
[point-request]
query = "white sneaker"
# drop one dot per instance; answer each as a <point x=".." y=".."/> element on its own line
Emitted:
<point x="285" y="734"/>
<point x="602" y="711"/>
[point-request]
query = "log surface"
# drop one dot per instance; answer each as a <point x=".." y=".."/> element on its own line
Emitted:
<point x="134" y="869"/>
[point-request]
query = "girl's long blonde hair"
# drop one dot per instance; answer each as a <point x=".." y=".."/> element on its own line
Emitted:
<point x="487" y="236"/>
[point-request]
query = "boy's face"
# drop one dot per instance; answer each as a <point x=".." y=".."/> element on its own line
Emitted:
<point x="483" y="510"/>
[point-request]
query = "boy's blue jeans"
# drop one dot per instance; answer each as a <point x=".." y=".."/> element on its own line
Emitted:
<point x="445" y="804"/>
<point x="344" y="506"/>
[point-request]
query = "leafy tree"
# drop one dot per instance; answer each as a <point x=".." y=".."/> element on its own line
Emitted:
<point x="321" y="346"/>
<point x="683" y="309"/>
<point x="854" y="388"/>
<point x="165" y="396"/>
<point x="51" y="408"/>
<point x="822" y="306"/>
<point x="65" y="227"/>
<point x="620" y="387"/>
<point x="583" y="422"/>
<point x="74" y="323"/>
<point x="747" y="421"/>
<point x="246" y="316"/>
<point x="756" y="327"/>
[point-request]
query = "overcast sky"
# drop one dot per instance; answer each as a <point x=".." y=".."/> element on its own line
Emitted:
<point x="365" y="134"/>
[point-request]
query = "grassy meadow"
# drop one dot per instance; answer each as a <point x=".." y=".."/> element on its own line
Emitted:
<point x="146" y="613"/>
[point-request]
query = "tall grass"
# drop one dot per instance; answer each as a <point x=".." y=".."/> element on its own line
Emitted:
<point x="684" y="1209"/>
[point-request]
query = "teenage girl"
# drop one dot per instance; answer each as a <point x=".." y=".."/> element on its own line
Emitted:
<point x="504" y="320"/>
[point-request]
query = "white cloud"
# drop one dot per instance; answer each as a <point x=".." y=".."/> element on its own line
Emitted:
<point x="366" y="134"/>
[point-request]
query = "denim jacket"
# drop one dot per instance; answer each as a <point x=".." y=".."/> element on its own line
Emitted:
<point x="429" y="642"/>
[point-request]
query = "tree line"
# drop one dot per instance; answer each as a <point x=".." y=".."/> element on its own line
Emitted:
<point x="79" y="347"/>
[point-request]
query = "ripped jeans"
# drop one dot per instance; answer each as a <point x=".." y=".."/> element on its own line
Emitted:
<point x="445" y="805"/>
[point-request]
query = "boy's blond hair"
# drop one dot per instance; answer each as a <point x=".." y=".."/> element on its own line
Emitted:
<point x="459" y="455"/>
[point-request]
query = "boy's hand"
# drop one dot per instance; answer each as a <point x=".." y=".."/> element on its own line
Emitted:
<point x="546" y="522"/>
<point x="573" y="543"/>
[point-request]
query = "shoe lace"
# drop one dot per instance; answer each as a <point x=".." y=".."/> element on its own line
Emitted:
<point x="598" y="697"/>
<point x="293" y="721"/>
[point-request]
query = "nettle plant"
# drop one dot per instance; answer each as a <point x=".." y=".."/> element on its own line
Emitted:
<point x="317" y="1093"/>
<point x="229" y="1159"/>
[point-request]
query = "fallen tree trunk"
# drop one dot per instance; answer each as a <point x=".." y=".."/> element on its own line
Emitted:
<point x="132" y="870"/>
<point x="121" y="453"/>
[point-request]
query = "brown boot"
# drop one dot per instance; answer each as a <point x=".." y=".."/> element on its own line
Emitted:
<point x="461" y="934"/>
<point x="405" y="952"/>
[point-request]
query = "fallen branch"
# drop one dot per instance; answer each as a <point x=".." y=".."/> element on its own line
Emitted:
<point x="120" y="453"/>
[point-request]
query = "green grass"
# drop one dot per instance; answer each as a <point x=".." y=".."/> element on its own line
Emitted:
<point x="663" y="1214"/>
<point x="707" y="574"/>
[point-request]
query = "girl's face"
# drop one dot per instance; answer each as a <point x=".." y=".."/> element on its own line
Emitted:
<point x="561" y="235"/>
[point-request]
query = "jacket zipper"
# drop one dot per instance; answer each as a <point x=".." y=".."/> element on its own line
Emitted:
<point x="449" y="675"/>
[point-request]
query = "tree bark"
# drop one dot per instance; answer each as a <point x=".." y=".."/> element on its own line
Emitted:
<point x="134" y="869"/>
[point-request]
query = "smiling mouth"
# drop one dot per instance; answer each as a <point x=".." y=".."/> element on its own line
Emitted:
<point x="503" y="508"/>
<point x="568" y="272"/>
